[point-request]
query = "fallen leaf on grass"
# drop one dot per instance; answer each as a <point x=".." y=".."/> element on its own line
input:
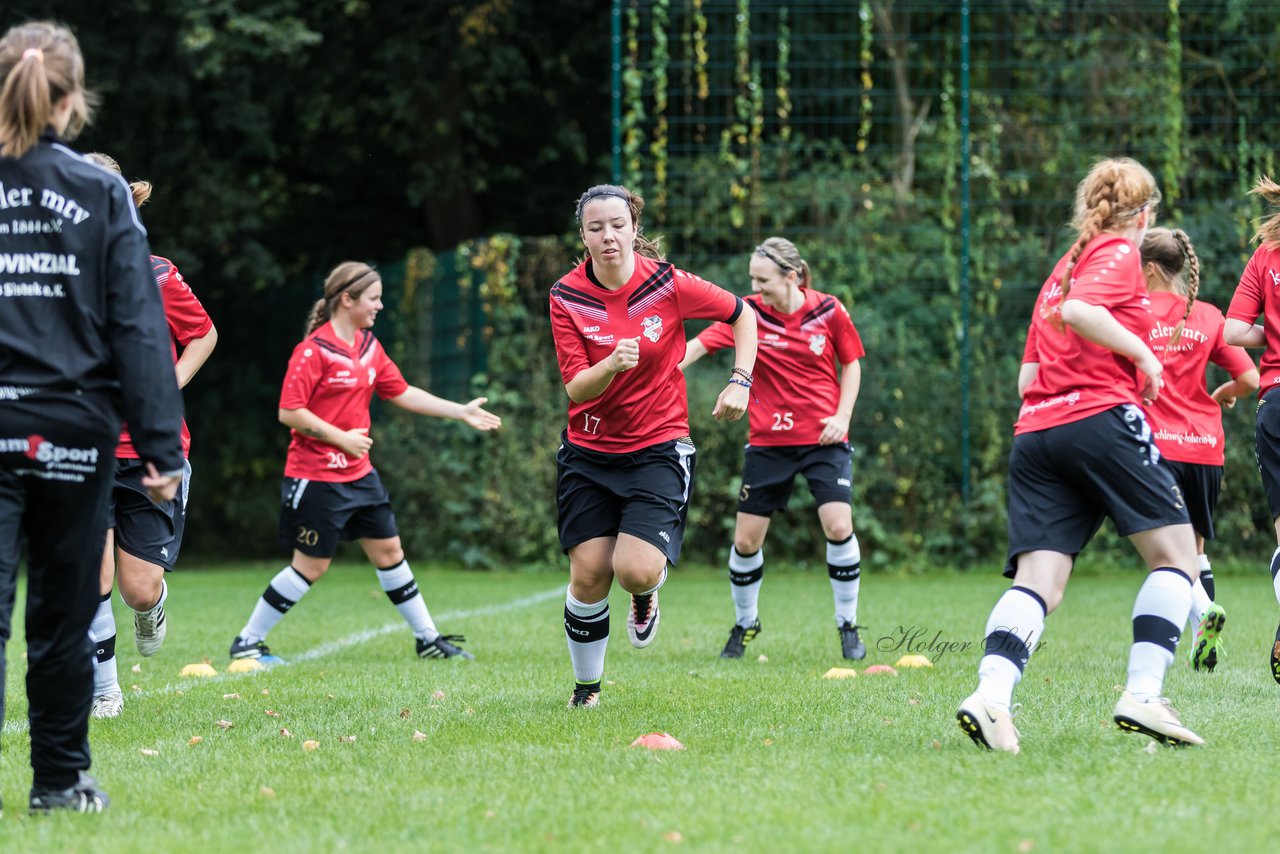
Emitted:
<point x="936" y="745"/>
<point x="285" y="732"/>
<point x="266" y="691"/>
<point x="346" y="739"/>
<point x="763" y="658"/>
<point x="329" y="697"/>
<point x="310" y="745"/>
<point x="137" y="668"/>
<point x="404" y="714"/>
<point x="135" y="688"/>
<point x="768" y="741"/>
<point x="194" y="740"/>
<point x="437" y="694"/>
<point x="1026" y="845"/>
<point x="267" y="792"/>
<point x="148" y="752"/>
<point x="490" y="814"/>
<point x="271" y="713"/>
<point x="225" y="725"/>
<point x="231" y="696"/>
<point x="672" y="836"/>
<point x="419" y="736"/>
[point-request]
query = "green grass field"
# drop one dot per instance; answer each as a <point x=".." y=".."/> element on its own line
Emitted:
<point x="777" y="757"/>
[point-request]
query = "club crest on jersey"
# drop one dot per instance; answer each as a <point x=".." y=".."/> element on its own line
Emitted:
<point x="817" y="343"/>
<point x="653" y="328"/>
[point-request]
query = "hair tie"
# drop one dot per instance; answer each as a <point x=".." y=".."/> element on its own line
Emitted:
<point x="33" y="52"/>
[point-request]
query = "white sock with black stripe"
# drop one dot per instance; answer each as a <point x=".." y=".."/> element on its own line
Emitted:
<point x="844" y="567"/>
<point x="401" y="588"/>
<point x="586" y="625"/>
<point x="1158" y="613"/>
<point x="745" y="574"/>
<point x="284" y="591"/>
<point x="102" y="632"/>
<point x="1013" y="631"/>
<point x="1275" y="572"/>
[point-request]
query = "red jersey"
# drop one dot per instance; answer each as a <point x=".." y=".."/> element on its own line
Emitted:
<point x="1259" y="294"/>
<point x="335" y="382"/>
<point x="645" y="405"/>
<point x="1186" y="420"/>
<point x="1078" y="378"/>
<point x="796" y="383"/>
<point x="187" y="321"/>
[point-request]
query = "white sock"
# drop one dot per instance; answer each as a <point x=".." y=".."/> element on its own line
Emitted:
<point x="1158" y="613"/>
<point x="164" y="594"/>
<point x="402" y="590"/>
<point x="1206" y="578"/>
<point x="102" y="632"/>
<point x="586" y="625"/>
<point x="1013" y="631"/>
<point x="655" y="588"/>
<point x="1275" y="573"/>
<point x="745" y="574"/>
<point x="284" y="591"/>
<point x="844" y="567"/>
<point x="1200" y="603"/>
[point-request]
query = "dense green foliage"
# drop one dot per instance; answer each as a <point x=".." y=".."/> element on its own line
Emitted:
<point x="503" y="765"/>
<point x="284" y="137"/>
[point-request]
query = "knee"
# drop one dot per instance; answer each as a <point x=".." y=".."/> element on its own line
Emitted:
<point x="838" y="532"/>
<point x="639" y="576"/>
<point x="141" y="594"/>
<point x="747" y="544"/>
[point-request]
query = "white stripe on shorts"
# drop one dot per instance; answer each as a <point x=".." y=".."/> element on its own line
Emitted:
<point x="686" y="451"/>
<point x="297" y="492"/>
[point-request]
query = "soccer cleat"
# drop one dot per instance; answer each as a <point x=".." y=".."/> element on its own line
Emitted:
<point x="241" y="648"/>
<point x="84" y="796"/>
<point x="851" y="646"/>
<point x="1275" y="657"/>
<point x="642" y="620"/>
<point x="739" y="637"/>
<point x="444" y="646"/>
<point x="1204" y="649"/>
<point x="986" y="725"/>
<point x="585" y="695"/>
<point x="1155" y="718"/>
<point x="108" y="705"/>
<point x="149" y="629"/>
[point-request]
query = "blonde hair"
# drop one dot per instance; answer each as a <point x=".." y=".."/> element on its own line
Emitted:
<point x="1171" y="251"/>
<point x="635" y="205"/>
<point x="1269" y="229"/>
<point x="1114" y="192"/>
<point x="784" y="254"/>
<point x="141" y="190"/>
<point x="349" y="277"/>
<point x="40" y="63"/>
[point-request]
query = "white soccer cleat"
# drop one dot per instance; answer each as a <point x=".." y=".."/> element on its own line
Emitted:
<point x="149" y="628"/>
<point x="108" y="705"/>
<point x="642" y="620"/>
<point x="986" y="725"/>
<point x="1155" y="718"/>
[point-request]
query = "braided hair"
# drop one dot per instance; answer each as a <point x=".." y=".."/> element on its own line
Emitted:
<point x="1172" y="253"/>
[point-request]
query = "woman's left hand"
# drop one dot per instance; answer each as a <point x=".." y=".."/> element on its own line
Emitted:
<point x="834" y="429"/>
<point x="732" y="402"/>
<point x="481" y="419"/>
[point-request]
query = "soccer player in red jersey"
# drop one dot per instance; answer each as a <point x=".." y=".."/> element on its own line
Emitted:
<point x="331" y="490"/>
<point x="1083" y="451"/>
<point x="625" y="463"/>
<point x="806" y="384"/>
<point x="1259" y="294"/>
<point x="143" y="537"/>
<point x="1186" y="418"/>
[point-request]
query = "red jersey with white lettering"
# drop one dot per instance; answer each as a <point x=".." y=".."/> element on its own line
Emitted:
<point x="1076" y="377"/>
<point x="647" y="404"/>
<point x="1186" y="420"/>
<point x="796" y="384"/>
<point x="336" y="382"/>
<point x="187" y="321"/>
<point x="1259" y="294"/>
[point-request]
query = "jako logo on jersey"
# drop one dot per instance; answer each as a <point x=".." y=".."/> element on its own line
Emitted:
<point x="1275" y="278"/>
<point x="653" y="328"/>
<point x="665" y="536"/>
<point x="817" y="343"/>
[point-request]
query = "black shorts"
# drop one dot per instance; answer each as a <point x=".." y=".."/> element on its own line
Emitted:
<point x="1266" y="444"/>
<point x="768" y="474"/>
<point x="643" y="493"/>
<point x="1201" y="485"/>
<point x="144" y="529"/>
<point x="315" y="515"/>
<point x="1065" y="480"/>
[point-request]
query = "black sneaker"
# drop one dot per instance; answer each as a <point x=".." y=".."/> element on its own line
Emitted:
<point x="444" y="646"/>
<point x="585" y="695"/>
<point x="1275" y="657"/>
<point x="850" y="644"/>
<point x="84" y="796"/>
<point x="241" y="648"/>
<point x="739" y="637"/>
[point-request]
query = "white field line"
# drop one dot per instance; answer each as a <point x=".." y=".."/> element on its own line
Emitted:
<point x="326" y="649"/>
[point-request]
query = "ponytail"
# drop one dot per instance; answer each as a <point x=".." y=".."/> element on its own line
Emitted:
<point x="1269" y="229"/>
<point x="318" y="316"/>
<point x="1193" y="281"/>
<point x="140" y="190"/>
<point x="784" y="254"/>
<point x="1170" y="250"/>
<point x="40" y="64"/>
<point x="642" y="245"/>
